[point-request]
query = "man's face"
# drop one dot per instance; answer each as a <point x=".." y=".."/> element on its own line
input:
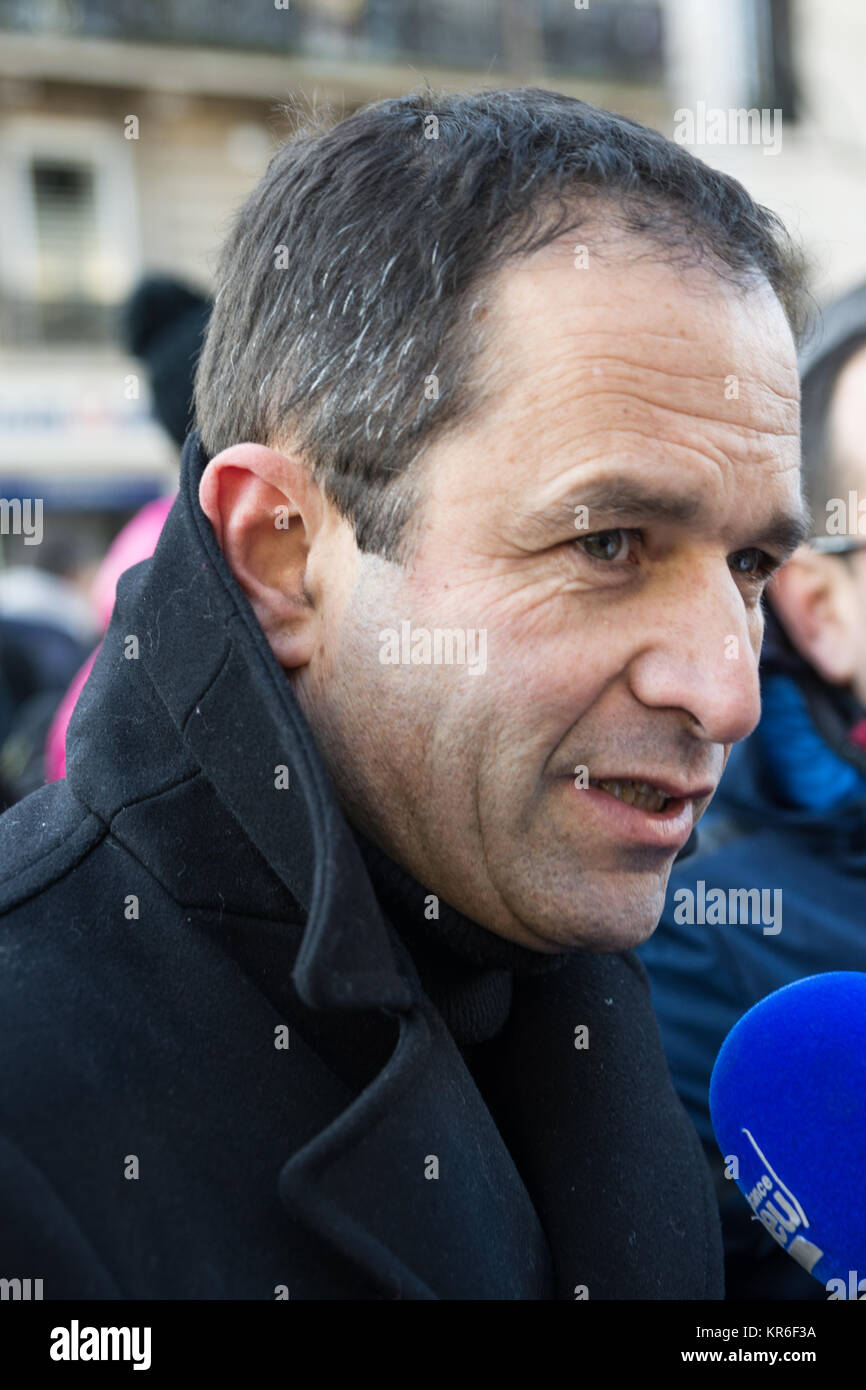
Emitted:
<point x="665" y="403"/>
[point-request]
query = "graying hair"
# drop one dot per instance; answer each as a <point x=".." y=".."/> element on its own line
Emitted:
<point x="353" y="274"/>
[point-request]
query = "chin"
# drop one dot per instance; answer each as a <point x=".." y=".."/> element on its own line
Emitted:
<point x="570" y="907"/>
<point x="616" y="937"/>
<point x="611" y="923"/>
<point x="604" y="933"/>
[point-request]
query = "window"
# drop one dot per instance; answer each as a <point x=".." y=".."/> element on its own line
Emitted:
<point x="70" y="255"/>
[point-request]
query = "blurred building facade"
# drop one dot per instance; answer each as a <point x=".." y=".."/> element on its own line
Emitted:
<point x="130" y="131"/>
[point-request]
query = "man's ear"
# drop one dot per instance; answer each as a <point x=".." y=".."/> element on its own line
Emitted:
<point x="266" y="509"/>
<point x="811" y="596"/>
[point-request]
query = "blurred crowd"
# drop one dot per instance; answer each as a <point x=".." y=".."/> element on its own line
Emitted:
<point x="53" y="612"/>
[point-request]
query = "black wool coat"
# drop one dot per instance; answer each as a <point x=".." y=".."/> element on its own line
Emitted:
<point x="220" y="1076"/>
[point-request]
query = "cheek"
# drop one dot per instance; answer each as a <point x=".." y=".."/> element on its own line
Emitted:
<point x="546" y="659"/>
<point x="544" y="674"/>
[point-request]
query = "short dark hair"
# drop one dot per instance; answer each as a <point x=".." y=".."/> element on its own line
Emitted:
<point x="352" y="273"/>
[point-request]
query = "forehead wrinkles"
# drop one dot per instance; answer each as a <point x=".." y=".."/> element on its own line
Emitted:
<point x="575" y="395"/>
<point x="662" y="332"/>
<point x="633" y="414"/>
<point x="608" y="377"/>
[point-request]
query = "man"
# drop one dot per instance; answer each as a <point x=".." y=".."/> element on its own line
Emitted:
<point x="790" y="816"/>
<point x="333" y="917"/>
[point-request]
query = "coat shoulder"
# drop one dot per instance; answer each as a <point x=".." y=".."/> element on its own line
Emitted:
<point x="43" y="838"/>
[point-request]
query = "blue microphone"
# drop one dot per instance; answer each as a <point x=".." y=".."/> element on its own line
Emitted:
<point x="788" y="1102"/>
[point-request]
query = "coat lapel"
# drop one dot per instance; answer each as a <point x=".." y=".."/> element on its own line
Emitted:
<point x="412" y="1183"/>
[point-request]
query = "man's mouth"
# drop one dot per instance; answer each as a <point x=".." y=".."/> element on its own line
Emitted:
<point x="653" y="809"/>
<point x="641" y="794"/>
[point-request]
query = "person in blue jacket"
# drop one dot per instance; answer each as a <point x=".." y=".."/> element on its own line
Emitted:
<point x="789" y="817"/>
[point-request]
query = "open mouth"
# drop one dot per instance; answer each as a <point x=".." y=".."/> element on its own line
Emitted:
<point x="639" y="794"/>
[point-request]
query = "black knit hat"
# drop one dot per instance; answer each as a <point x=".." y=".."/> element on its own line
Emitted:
<point x="164" y="323"/>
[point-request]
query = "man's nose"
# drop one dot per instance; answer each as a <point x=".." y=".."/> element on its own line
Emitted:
<point x="696" y="654"/>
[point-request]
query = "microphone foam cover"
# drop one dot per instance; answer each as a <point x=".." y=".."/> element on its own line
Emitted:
<point x="788" y="1102"/>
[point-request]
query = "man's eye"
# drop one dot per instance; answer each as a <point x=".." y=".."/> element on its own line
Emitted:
<point x="753" y="563"/>
<point x="611" y="546"/>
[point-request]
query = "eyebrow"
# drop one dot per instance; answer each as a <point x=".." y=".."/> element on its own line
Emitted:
<point x="627" y="498"/>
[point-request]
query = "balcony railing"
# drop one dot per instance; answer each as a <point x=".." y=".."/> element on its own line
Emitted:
<point x="620" y="38"/>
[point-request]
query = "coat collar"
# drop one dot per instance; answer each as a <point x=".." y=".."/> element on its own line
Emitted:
<point x="222" y="706"/>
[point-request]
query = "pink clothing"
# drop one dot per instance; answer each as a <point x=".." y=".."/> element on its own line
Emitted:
<point x="136" y="541"/>
<point x="55" y="743"/>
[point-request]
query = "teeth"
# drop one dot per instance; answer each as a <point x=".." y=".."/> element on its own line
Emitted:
<point x="639" y="794"/>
